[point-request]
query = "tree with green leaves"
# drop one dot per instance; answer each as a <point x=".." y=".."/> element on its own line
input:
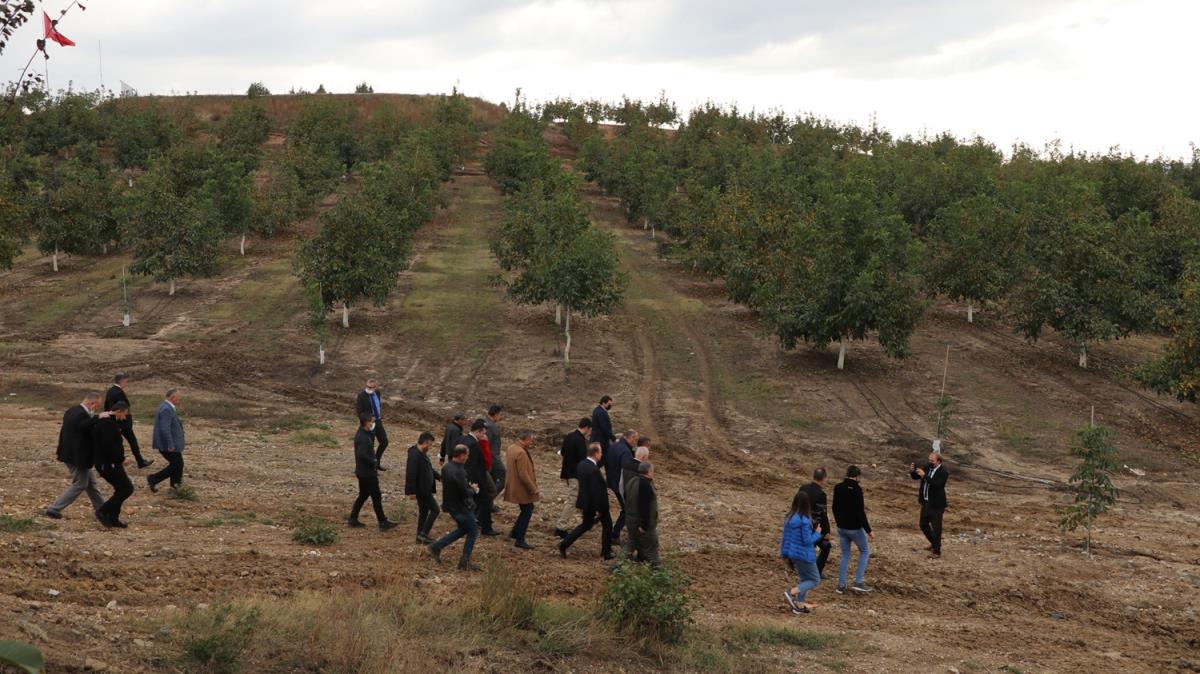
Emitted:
<point x="364" y="88"/>
<point x="353" y="257"/>
<point x="329" y="127"/>
<point x="140" y="130"/>
<point x="453" y="114"/>
<point x="227" y="195"/>
<point x="60" y="122"/>
<point x="317" y="173"/>
<point x="1177" y="371"/>
<point x="976" y="248"/>
<point x="74" y="213"/>
<point x="19" y="194"/>
<point x="243" y="131"/>
<point x="1092" y="480"/>
<point x="384" y="132"/>
<point x="172" y="236"/>
<point x="318" y="317"/>
<point x="279" y="202"/>
<point x="257" y="89"/>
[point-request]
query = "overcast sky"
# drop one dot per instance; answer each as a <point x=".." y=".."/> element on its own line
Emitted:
<point x="1095" y="74"/>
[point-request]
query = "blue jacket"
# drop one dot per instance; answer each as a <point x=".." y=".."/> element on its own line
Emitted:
<point x="168" y="430"/>
<point x="799" y="539"/>
<point x="618" y="454"/>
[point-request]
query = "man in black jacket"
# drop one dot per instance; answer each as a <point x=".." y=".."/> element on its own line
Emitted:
<point x="110" y="463"/>
<point x="116" y="394"/>
<point x="419" y="484"/>
<point x="850" y="513"/>
<point x="477" y="472"/>
<point x="452" y="436"/>
<point x="365" y="465"/>
<point x="369" y="402"/>
<point x="574" y="449"/>
<point x="592" y="502"/>
<point x="75" y="450"/>
<point x="820" y="515"/>
<point x="602" y="431"/>
<point x="619" y="454"/>
<point x="495" y="415"/>
<point x="458" y="499"/>
<point x="931" y="494"/>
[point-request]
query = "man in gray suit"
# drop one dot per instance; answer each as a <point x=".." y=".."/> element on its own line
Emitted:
<point x="75" y="450"/>
<point x="168" y="440"/>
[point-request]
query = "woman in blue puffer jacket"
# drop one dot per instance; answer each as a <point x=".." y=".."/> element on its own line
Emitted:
<point x="799" y="539"/>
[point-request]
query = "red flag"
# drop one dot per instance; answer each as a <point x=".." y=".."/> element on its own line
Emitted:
<point x="53" y="34"/>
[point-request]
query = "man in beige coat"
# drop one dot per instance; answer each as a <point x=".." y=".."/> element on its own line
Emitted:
<point x="521" y="486"/>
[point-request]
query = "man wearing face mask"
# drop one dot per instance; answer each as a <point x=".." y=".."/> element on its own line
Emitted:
<point x="369" y="402"/>
<point x="368" y="479"/>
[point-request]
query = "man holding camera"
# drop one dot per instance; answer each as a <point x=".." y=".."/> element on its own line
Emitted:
<point x="931" y="494"/>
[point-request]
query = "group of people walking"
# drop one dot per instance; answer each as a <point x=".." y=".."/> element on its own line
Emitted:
<point x="475" y="470"/>
<point x="91" y="442"/>
<point x="805" y="544"/>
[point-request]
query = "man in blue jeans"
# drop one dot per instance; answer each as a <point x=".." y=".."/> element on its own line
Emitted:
<point x="458" y="499"/>
<point x="850" y="513"/>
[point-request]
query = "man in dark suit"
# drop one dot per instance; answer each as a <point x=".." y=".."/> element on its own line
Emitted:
<point x="452" y="436"/>
<point x="574" y="449"/>
<point x="365" y="466"/>
<point x="110" y="463"/>
<point x="642" y="505"/>
<point x="116" y="394"/>
<point x="75" y="450"/>
<point x="593" y="503"/>
<point x="602" y="424"/>
<point x="820" y="514"/>
<point x="619" y="454"/>
<point x="369" y="402"/>
<point x="931" y="494"/>
<point x="167" y="437"/>
<point x="495" y="414"/>
<point x="479" y="472"/>
<point x="420" y="483"/>
<point x="458" y="499"/>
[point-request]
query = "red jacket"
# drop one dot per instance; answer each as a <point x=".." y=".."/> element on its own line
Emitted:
<point x="486" y="448"/>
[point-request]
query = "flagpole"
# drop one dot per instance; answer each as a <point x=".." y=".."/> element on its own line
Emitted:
<point x="100" y="60"/>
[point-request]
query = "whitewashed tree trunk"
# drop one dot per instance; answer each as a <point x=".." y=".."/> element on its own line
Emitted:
<point x="645" y="223"/>
<point x="567" y="349"/>
<point x="970" y="312"/>
<point x="321" y="354"/>
<point x="558" y="314"/>
<point x="104" y="248"/>
<point x="842" y="354"/>
<point x="172" y="291"/>
<point x="54" y="259"/>
<point x="131" y="181"/>
<point x="1083" y="355"/>
<point x="345" y="314"/>
<point x="652" y="231"/>
<point x="242" y="247"/>
<point x="125" y="320"/>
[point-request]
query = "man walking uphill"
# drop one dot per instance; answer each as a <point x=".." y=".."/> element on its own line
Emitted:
<point x="931" y="494"/>
<point x="602" y="431"/>
<point x="452" y="436"/>
<point x="116" y="394"/>
<point x="850" y="513"/>
<point x="420" y="483"/>
<point x="593" y="503"/>
<point x="522" y="487"/>
<point x="641" y="516"/>
<point x="369" y="402"/>
<point x="167" y="438"/>
<point x="820" y="515"/>
<point x="75" y="450"/>
<point x="574" y="449"/>
<point x="458" y="499"/>
<point x="368" y="479"/>
<point x="110" y="463"/>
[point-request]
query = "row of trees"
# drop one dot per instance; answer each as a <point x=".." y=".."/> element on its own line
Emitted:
<point x="837" y="232"/>
<point x="547" y="242"/>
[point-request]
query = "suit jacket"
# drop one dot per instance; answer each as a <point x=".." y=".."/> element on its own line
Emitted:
<point x="617" y="455"/>
<point x="106" y="442"/>
<point x="574" y="450"/>
<point x="602" y="427"/>
<point x="494" y="439"/>
<point x="593" y="495"/>
<point x="168" y="429"/>
<point x="641" y="504"/>
<point x="115" y="395"/>
<point x="457" y="495"/>
<point x="934" y="487"/>
<point x="363" y="406"/>
<point x="450" y="437"/>
<point x="419" y="476"/>
<point x="475" y="466"/>
<point x="522" y="484"/>
<point x="365" y="464"/>
<point x="75" y="437"/>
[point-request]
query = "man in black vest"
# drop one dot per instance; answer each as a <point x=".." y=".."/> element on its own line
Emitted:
<point x="420" y="484"/>
<point x="116" y="394"/>
<point x="931" y="494"/>
<point x="592" y="502"/>
<point x="820" y="515"/>
<point x="369" y="402"/>
<point x="75" y="450"/>
<point x="110" y="463"/>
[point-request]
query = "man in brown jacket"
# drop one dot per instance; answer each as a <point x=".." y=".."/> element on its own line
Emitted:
<point x="521" y="486"/>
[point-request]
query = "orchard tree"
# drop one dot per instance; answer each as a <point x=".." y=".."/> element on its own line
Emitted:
<point x="318" y="317"/>
<point x="139" y="131"/>
<point x="173" y="236"/>
<point x="257" y="89"/>
<point x="384" y="132"/>
<point x="329" y="127"/>
<point x="453" y="114"/>
<point x="16" y="211"/>
<point x="1094" y="490"/>
<point x="226" y="193"/>
<point x="975" y="251"/>
<point x="316" y="172"/>
<point x="279" y="202"/>
<point x="352" y="258"/>
<point x="58" y="123"/>
<point x="74" y="214"/>
<point x="243" y="131"/>
<point x="1177" y="371"/>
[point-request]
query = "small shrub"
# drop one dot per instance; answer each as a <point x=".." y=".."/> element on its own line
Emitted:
<point x="217" y="638"/>
<point x="505" y="600"/>
<point x="183" y="492"/>
<point x="315" y="531"/>
<point x="16" y="525"/>
<point x="649" y="603"/>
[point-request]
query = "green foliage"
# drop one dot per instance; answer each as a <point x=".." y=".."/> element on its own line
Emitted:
<point x="173" y="236"/>
<point x="183" y="492"/>
<point x="139" y="131"/>
<point x="257" y="89"/>
<point x="452" y="115"/>
<point x="364" y="88"/>
<point x="74" y="213"/>
<point x="504" y="599"/>
<point x="314" y="531"/>
<point x="215" y="639"/>
<point x="648" y="603"/>
<point x="317" y="173"/>
<point x="63" y="121"/>
<point x="944" y="415"/>
<point x="318" y="312"/>
<point x="18" y="198"/>
<point x="754" y="636"/>
<point x="243" y="131"/>
<point x="328" y="127"/>
<point x="279" y="202"/>
<point x="518" y="155"/>
<point x="1094" y="490"/>
<point x="384" y="132"/>
<point x="23" y="656"/>
<point x="975" y="250"/>
<point x="1177" y="371"/>
<point x="16" y="525"/>
<point x="226" y="196"/>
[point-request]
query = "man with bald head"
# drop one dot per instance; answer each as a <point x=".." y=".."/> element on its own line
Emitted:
<point x="75" y="449"/>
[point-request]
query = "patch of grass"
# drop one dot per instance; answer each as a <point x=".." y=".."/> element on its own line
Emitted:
<point x="293" y="422"/>
<point x="562" y="630"/>
<point x="504" y="599"/>
<point x="1017" y="441"/>
<point x="217" y="638"/>
<point x="267" y="299"/>
<point x="1012" y="669"/>
<point x="16" y="525"/>
<point x="313" y="437"/>
<point x="314" y="531"/>
<point x="230" y="518"/>
<point x="707" y="656"/>
<point x="218" y="409"/>
<point x="399" y="510"/>
<point x="755" y="635"/>
<point x="836" y="665"/>
<point x="183" y="492"/>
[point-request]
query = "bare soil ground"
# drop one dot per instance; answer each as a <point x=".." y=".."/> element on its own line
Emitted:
<point x="738" y="425"/>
